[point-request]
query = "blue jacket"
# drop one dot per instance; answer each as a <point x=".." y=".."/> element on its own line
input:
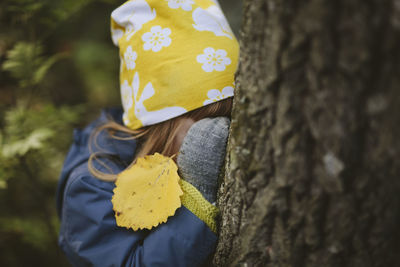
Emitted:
<point x="89" y="235"/>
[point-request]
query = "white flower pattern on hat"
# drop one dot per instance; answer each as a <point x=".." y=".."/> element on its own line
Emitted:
<point x="149" y="117"/>
<point x="184" y="4"/>
<point x="126" y="95"/>
<point x="116" y="34"/>
<point x="130" y="57"/>
<point x="127" y="99"/>
<point x="213" y="60"/>
<point x="156" y="38"/>
<point x="213" y="20"/>
<point x="216" y="95"/>
<point x="132" y="15"/>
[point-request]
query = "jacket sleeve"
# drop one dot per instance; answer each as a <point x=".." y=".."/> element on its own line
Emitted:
<point x="90" y="237"/>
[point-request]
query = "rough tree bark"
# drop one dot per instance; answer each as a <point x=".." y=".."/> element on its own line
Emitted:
<point x="313" y="172"/>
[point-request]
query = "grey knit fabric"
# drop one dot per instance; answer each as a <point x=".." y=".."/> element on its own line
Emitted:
<point x="202" y="153"/>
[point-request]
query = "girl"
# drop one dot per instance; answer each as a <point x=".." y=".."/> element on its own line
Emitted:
<point x="178" y="60"/>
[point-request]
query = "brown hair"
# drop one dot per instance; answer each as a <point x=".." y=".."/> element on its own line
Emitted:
<point x="158" y="138"/>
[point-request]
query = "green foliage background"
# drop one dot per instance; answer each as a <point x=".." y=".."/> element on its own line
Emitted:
<point x="58" y="68"/>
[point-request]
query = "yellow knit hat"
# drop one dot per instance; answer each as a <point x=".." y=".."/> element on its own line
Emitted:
<point x="176" y="56"/>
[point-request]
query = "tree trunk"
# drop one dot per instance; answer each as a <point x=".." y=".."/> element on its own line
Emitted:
<point x="313" y="174"/>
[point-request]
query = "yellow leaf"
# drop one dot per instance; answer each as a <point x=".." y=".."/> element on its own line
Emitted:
<point x="147" y="193"/>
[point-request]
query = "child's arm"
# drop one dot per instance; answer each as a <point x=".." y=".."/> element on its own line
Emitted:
<point x="202" y="154"/>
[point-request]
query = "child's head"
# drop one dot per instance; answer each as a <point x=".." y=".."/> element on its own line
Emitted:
<point x="176" y="56"/>
<point x="178" y="60"/>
